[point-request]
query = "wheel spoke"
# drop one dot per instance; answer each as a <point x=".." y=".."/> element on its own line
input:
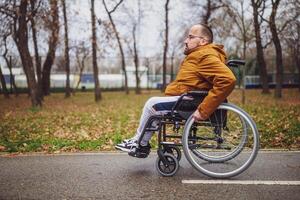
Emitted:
<point x="225" y="145"/>
<point x="171" y="168"/>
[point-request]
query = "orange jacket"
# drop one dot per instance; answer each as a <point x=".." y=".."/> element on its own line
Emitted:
<point x="204" y="69"/>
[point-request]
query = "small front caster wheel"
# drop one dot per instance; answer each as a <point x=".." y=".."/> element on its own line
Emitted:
<point x="174" y="151"/>
<point x="167" y="166"/>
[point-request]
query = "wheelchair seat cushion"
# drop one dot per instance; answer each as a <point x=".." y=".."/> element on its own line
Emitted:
<point x="188" y="105"/>
<point x="164" y="106"/>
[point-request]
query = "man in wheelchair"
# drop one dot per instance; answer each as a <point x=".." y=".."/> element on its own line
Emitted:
<point x="204" y="68"/>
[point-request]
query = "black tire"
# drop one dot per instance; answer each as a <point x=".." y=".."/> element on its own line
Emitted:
<point x="174" y="150"/>
<point x="232" y="162"/>
<point x="169" y="169"/>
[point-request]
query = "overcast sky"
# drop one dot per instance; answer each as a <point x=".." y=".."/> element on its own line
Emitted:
<point x="152" y="22"/>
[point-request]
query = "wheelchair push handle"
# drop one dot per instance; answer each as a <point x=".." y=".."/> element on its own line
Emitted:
<point x="235" y="63"/>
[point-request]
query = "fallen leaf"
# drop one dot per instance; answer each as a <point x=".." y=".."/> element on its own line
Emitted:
<point x="2" y="148"/>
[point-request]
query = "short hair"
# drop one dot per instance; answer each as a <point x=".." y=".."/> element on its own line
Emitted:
<point x="206" y="31"/>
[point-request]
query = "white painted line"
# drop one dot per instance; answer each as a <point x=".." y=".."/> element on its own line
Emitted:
<point x="245" y="182"/>
<point x="277" y="151"/>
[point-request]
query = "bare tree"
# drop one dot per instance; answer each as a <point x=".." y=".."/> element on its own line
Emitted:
<point x="210" y="7"/>
<point x="94" y="52"/>
<point x="294" y="43"/>
<point x="34" y="5"/>
<point x="81" y="52"/>
<point x="13" y="86"/>
<point x="135" y="20"/>
<point x="278" y="49"/>
<point x="242" y="23"/>
<point x="166" y="42"/>
<point x="60" y="64"/>
<point x="292" y="36"/>
<point x="52" y="44"/>
<point x="8" y="64"/>
<point x="172" y="64"/>
<point x="288" y="15"/>
<point x="67" y="58"/>
<point x="136" y="61"/>
<point x="3" y="83"/>
<point x="258" y="6"/>
<point x="206" y="10"/>
<point x="147" y="65"/>
<point x="175" y="46"/>
<point x="18" y="14"/>
<point x="296" y="50"/>
<point x="244" y="28"/>
<point x="109" y="13"/>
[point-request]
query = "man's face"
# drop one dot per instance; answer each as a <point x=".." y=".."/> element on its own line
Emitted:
<point x="194" y="39"/>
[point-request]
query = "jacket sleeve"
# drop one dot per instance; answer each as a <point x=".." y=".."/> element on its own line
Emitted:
<point x="213" y="70"/>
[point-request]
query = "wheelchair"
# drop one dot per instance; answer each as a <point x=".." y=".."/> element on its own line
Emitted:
<point x="223" y="146"/>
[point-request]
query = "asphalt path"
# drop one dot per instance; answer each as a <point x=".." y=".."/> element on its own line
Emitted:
<point x="118" y="176"/>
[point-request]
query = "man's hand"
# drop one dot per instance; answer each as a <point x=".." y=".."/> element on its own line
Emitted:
<point x="197" y="116"/>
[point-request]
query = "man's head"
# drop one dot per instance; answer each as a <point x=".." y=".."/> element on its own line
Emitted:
<point x="199" y="35"/>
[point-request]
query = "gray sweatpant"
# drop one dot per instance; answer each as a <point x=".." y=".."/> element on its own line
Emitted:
<point x="154" y="106"/>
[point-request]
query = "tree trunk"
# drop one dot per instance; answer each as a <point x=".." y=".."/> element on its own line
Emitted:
<point x="296" y="57"/>
<point x="80" y="74"/>
<point x="298" y="64"/>
<point x="276" y="42"/>
<point x="36" y="53"/>
<point x="3" y="83"/>
<point x="244" y="67"/>
<point x="172" y="65"/>
<point x="136" y="63"/>
<point x="147" y="65"/>
<point x="81" y="66"/>
<point x="12" y="78"/>
<point x="207" y="15"/>
<point x="94" y="52"/>
<point x="52" y="48"/>
<point x="165" y="46"/>
<point x="67" y="59"/>
<point x="297" y="52"/>
<point x="259" y="50"/>
<point x="123" y="64"/>
<point x="8" y="64"/>
<point x="21" y="39"/>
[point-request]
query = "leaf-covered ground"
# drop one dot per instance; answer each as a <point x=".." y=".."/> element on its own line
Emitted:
<point x="80" y="124"/>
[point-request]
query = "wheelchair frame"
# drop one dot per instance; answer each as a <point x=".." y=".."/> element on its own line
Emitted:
<point x="168" y="152"/>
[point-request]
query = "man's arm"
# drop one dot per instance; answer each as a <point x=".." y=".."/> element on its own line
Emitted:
<point x="212" y="69"/>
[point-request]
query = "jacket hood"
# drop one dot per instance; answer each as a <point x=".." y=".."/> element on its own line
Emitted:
<point x="218" y="48"/>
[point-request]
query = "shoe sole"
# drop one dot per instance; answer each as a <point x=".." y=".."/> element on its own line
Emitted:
<point x="122" y="149"/>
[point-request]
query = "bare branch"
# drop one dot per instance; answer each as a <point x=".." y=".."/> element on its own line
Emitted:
<point x="288" y="22"/>
<point x="8" y="12"/>
<point x="114" y="9"/>
<point x="267" y="44"/>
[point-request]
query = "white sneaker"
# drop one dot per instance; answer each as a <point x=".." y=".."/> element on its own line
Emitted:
<point x="130" y="140"/>
<point x="127" y="146"/>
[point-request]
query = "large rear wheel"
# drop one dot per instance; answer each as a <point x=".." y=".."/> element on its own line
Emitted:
<point x="223" y="146"/>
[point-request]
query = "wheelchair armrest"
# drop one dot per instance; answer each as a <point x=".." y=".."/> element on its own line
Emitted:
<point x="197" y="93"/>
<point x="189" y="96"/>
<point x="235" y="63"/>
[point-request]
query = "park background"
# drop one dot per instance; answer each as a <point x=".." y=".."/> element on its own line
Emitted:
<point x="76" y="74"/>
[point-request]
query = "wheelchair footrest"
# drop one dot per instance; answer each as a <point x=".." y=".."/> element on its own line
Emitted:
<point x="138" y="154"/>
<point x="141" y="152"/>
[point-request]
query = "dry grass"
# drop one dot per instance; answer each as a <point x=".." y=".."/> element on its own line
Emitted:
<point x="78" y="123"/>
